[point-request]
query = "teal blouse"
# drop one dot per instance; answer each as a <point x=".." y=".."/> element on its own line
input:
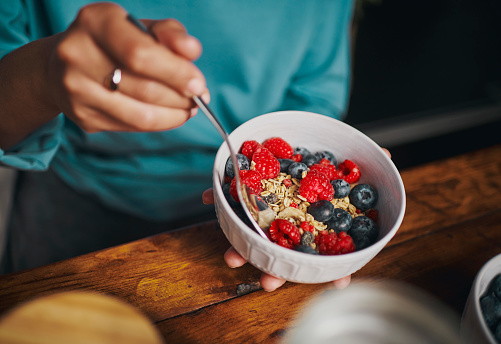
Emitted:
<point x="258" y="56"/>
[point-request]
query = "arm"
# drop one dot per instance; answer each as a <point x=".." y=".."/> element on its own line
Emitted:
<point x="24" y="91"/>
<point x="66" y="73"/>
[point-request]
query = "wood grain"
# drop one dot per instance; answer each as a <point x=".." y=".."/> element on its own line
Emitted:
<point x="179" y="279"/>
<point x="445" y="268"/>
<point x="77" y="317"/>
<point x="446" y="192"/>
<point x="164" y="276"/>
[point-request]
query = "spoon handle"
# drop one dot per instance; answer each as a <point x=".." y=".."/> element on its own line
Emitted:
<point x="210" y="115"/>
<point x="242" y="191"/>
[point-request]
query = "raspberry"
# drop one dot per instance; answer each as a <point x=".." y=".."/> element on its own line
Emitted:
<point x="250" y="178"/>
<point x="372" y="214"/>
<point x="307" y="227"/>
<point x="280" y="148"/>
<point x="327" y="169"/>
<point x="334" y="244"/>
<point x="249" y="147"/>
<point x="284" y="233"/>
<point x="325" y="161"/>
<point x="326" y="155"/>
<point x="287" y="182"/>
<point x="297" y="157"/>
<point x="294" y="205"/>
<point x="348" y="171"/>
<point x="265" y="163"/>
<point x="316" y="186"/>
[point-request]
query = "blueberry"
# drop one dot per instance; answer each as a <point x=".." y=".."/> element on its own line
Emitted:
<point x="497" y="333"/>
<point x="326" y="155"/>
<point x="307" y="238"/>
<point x="243" y="164"/>
<point x="363" y="196"/>
<point x="341" y="188"/>
<point x="340" y="221"/>
<point x="296" y="170"/>
<point x="284" y="164"/>
<point x="305" y="249"/>
<point x="271" y="198"/>
<point x="240" y="212"/>
<point x="229" y="197"/>
<point x="309" y="160"/>
<point x="491" y="309"/>
<point x="363" y="231"/>
<point x="301" y="150"/>
<point x="261" y="203"/>
<point x="495" y="286"/>
<point x="321" y="210"/>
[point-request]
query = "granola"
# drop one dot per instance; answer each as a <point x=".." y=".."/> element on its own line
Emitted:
<point x="287" y="195"/>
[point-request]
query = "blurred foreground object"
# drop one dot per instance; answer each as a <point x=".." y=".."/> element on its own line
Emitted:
<point x="372" y="312"/>
<point x="77" y="317"/>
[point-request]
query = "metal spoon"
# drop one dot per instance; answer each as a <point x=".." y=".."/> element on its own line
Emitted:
<point x="259" y="218"/>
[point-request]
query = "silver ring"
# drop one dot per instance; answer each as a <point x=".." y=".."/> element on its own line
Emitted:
<point x="115" y="79"/>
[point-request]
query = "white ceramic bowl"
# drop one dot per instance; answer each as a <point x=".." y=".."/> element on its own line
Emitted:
<point x="473" y="326"/>
<point x="315" y="132"/>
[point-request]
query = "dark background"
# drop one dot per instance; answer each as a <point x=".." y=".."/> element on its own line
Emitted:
<point x="417" y="59"/>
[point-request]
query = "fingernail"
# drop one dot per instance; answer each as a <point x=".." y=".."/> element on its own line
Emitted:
<point x="206" y="97"/>
<point x="195" y="87"/>
<point x="192" y="43"/>
<point x="194" y="111"/>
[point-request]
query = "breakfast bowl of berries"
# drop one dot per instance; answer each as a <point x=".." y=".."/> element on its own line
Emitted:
<point x="335" y="197"/>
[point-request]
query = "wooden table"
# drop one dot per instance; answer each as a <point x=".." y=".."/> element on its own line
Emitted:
<point x="179" y="279"/>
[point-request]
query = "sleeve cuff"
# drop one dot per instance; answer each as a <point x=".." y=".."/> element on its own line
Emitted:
<point x="36" y="151"/>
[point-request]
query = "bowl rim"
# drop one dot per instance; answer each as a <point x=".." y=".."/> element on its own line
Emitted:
<point x="294" y="255"/>
<point x="477" y="294"/>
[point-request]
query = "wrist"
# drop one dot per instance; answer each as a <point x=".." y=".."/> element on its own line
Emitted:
<point x="25" y="91"/>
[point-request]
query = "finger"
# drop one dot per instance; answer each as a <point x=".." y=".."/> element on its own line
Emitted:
<point x="173" y="34"/>
<point x="208" y="196"/>
<point x="139" y="116"/>
<point x="152" y="91"/>
<point x="342" y="282"/>
<point x="127" y="113"/>
<point x="233" y="259"/>
<point x="138" y="52"/>
<point x="80" y="52"/>
<point x="206" y="97"/>
<point x="83" y="113"/>
<point x="271" y="283"/>
<point x="387" y="152"/>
